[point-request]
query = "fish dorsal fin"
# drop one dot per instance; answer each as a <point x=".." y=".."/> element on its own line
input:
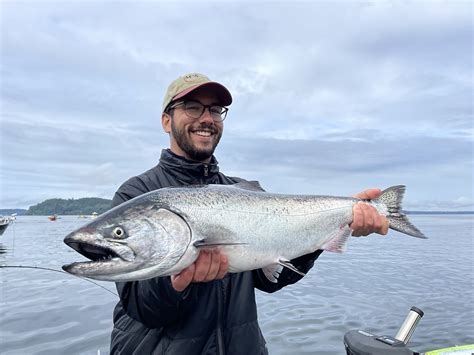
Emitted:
<point x="249" y="185"/>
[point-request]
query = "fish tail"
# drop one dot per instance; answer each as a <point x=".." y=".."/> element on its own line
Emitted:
<point x="392" y="198"/>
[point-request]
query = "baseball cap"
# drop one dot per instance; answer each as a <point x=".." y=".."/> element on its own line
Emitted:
<point x="188" y="83"/>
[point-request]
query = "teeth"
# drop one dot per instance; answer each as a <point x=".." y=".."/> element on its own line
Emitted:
<point x="203" y="133"/>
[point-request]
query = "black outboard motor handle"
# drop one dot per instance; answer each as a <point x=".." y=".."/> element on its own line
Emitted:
<point x="361" y="342"/>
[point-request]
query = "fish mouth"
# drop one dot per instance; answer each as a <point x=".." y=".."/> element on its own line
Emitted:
<point x="94" y="252"/>
<point x="105" y="257"/>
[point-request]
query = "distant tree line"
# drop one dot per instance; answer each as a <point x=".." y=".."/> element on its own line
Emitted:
<point x="85" y="206"/>
<point x="10" y="211"/>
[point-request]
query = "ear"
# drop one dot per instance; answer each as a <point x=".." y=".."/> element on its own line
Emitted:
<point x="166" y="122"/>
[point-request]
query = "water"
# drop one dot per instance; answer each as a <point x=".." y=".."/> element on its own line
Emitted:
<point x="372" y="286"/>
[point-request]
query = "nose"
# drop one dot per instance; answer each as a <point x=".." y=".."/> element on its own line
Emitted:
<point x="206" y="116"/>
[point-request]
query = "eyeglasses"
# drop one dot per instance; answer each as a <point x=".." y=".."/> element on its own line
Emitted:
<point x="195" y="109"/>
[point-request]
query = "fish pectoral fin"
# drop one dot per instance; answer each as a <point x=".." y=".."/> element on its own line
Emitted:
<point x="289" y="265"/>
<point x="205" y="244"/>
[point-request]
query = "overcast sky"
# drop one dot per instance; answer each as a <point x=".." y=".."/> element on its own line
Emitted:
<point x="329" y="97"/>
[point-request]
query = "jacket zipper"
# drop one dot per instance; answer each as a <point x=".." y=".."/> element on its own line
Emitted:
<point x="220" y="311"/>
<point x="206" y="170"/>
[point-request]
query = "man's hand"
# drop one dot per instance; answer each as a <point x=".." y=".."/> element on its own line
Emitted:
<point x="210" y="265"/>
<point x="366" y="219"/>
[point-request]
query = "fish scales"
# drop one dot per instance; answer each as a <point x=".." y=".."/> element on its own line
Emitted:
<point x="161" y="232"/>
<point x="288" y="225"/>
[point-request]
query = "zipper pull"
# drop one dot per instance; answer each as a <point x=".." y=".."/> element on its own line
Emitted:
<point x="206" y="170"/>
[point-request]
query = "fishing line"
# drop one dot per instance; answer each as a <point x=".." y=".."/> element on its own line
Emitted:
<point x="60" y="271"/>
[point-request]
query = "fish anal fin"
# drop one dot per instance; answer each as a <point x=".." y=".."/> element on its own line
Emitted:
<point x="338" y="242"/>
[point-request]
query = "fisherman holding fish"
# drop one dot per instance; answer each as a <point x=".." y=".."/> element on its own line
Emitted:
<point x="204" y="309"/>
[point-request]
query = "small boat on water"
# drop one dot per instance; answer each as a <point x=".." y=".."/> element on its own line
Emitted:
<point x="53" y="217"/>
<point x="5" y="222"/>
<point x="94" y="214"/>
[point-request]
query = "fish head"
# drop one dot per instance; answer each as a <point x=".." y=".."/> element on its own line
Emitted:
<point x="133" y="241"/>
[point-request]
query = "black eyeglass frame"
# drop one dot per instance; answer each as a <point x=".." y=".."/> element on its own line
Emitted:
<point x="223" y="114"/>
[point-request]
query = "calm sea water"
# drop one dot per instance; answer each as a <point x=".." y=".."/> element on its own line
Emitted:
<point x="372" y="286"/>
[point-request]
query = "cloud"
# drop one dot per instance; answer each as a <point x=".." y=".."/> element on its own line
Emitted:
<point x="328" y="97"/>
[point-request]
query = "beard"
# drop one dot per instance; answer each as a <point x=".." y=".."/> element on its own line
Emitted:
<point x="182" y="139"/>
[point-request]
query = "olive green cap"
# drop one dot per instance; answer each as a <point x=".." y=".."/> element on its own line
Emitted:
<point x="188" y="83"/>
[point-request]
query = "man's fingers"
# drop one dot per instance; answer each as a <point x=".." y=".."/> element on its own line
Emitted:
<point x="369" y="194"/>
<point x="183" y="279"/>
<point x="357" y="220"/>
<point x="369" y="218"/>
<point x="224" y="266"/>
<point x="366" y="220"/>
<point x="203" y="264"/>
<point x="214" y="265"/>
<point x="385" y="225"/>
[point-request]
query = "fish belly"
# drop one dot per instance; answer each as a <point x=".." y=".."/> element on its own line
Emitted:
<point x="264" y="239"/>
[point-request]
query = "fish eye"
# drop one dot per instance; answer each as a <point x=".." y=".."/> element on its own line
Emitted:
<point x="118" y="232"/>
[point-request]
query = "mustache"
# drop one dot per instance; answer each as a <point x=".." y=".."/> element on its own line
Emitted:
<point x="204" y="127"/>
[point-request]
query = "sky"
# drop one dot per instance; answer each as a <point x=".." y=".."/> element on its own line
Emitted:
<point x="330" y="97"/>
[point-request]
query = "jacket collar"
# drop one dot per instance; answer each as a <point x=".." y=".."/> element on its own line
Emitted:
<point x="184" y="168"/>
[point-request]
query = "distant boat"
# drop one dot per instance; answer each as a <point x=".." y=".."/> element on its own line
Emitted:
<point x="5" y="222"/>
<point x="94" y="214"/>
<point x="53" y="217"/>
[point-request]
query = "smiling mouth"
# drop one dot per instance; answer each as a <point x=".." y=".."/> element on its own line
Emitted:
<point x="203" y="133"/>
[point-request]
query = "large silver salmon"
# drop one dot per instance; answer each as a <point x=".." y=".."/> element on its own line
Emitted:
<point x="161" y="232"/>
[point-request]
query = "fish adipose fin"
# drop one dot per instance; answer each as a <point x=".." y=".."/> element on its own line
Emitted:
<point x="272" y="272"/>
<point x="392" y="198"/>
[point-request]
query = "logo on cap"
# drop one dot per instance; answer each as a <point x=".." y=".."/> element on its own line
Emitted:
<point x="191" y="77"/>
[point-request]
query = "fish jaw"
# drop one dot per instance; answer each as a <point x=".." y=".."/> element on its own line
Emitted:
<point x="107" y="258"/>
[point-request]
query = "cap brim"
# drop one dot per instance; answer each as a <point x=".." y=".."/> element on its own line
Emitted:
<point x="225" y="98"/>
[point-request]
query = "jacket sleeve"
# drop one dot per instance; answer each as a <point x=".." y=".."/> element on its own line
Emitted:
<point x="287" y="277"/>
<point x="153" y="302"/>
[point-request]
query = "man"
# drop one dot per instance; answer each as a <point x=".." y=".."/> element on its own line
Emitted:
<point x="204" y="309"/>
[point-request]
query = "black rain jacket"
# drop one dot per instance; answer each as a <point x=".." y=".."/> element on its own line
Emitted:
<point x="217" y="317"/>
